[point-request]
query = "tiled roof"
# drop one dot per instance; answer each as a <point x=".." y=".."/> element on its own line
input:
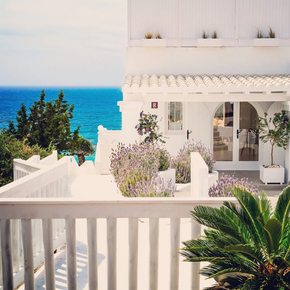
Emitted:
<point x="209" y="83"/>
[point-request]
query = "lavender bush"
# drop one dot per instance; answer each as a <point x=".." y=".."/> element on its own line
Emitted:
<point x="182" y="161"/>
<point x="135" y="169"/>
<point x="227" y="182"/>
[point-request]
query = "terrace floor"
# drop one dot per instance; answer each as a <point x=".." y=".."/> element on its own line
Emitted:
<point x="90" y="185"/>
<point x="253" y="176"/>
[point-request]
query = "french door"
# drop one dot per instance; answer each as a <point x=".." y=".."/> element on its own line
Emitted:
<point x="236" y="137"/>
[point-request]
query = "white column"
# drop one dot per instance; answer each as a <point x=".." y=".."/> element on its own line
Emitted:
<point x="130" y="115"/>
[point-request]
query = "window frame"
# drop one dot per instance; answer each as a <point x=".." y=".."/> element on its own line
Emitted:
<point x="174" y="132"/>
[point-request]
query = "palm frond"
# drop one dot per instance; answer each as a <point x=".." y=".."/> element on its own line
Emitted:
<point x="282" y="209"/>
<point x="251" y="214"/>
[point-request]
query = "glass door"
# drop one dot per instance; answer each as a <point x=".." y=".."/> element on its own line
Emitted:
<point x="236" y="137"/>
<point x="248" y="133"/>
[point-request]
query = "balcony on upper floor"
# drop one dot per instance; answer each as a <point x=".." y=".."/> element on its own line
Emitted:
<point x="209" y="23"/>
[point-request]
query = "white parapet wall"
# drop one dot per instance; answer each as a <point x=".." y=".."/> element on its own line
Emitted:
<point x="199" y="176"/>
<point x="107" y="141"/>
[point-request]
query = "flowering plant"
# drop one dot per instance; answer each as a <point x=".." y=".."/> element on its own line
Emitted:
<point x="135" y="169"/>
<point x="182" y="161"/>
<point x="227" y="183"/>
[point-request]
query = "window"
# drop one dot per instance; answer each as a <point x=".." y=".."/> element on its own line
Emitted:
<point x="175" y="116"/>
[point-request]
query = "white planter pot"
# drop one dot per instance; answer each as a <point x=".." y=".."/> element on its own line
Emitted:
<point x="212" y="42"/>
<point x="272" y="175"/>
<point x="154" y="42"/>
<point x="266" y="42"/>
<point x="167" y="175"/>
<point x="213" y="178"/>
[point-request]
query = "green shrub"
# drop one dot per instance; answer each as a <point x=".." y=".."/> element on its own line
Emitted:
<point x="11" y="148"/>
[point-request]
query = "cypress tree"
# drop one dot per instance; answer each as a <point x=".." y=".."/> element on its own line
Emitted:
<point x="22" y="130"/>
<point x="38" y="122"/>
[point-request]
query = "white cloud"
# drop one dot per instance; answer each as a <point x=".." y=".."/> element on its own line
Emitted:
<point x="62" y="42"/>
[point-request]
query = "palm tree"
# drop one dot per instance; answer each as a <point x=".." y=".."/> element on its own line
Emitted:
<point x="247" y="246"/>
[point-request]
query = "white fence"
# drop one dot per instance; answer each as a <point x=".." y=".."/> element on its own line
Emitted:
<point x="22" y="167"/>
<point x="31" y="182"/>
<point x="155" y="209"/>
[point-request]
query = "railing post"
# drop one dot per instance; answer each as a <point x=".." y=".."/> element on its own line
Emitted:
<point x="28" y="254"/>
<point x="112" y="253"/>
<point x="133" y="253"/>
<point x="71" y="254"/>
<point x="6" y="255"/>
<point x="154" y="250"/>
<point x="174" y="265"/>
<point x="195" y="267"/>
<point x="48" y="254"/>
<point x="92" y="253"/>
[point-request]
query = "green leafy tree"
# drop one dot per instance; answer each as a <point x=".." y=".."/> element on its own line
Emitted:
<point x="275" y="130"/>
<point x="59" y="126"/>
<point x="38" y="122"/>
<point x="80" y="146"/>
<point x="22" y="123"/>
<point x="247" y="246"/>
<point x="11" y="148"/>
<point x="49" y="124"/>
<point x="148" y="127"/>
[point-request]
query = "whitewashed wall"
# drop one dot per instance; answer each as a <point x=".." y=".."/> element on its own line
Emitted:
<point x="153" y="16"/>
<point x="224" y="60"/>
<point x="183" y="19"/>
<point x="262" y="14"/>
<point x="207" y="16"/>
<point x="198" y="119"/>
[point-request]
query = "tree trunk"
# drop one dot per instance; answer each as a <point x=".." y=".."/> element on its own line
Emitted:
<point x="81" y="158"/>
<point x="272" y="154"/>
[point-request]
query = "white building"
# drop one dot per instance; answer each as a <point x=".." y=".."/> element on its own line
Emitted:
<point x="213" y="88"/>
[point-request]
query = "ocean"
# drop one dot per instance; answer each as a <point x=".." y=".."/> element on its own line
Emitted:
<point x="93" y="106"/>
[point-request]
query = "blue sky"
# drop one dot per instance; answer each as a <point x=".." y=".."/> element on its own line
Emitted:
<point x="62" y="42"/>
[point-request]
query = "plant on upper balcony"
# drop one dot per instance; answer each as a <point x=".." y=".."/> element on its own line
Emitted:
<point x="204" y="35"/>
<point x="259" y="34"/>
<point x="183" y="160"/>
<point x="272" y="34"/>
<point x="135" y="169"/>
<point x="226" y="184"/>
<point x="148" y="35"/>
<point x="214" y="35"/>
<point x="246" y="246"/>
<point x="149" y="129"/>
<point x="158" y="36"/>
<point x="274" y="130"/>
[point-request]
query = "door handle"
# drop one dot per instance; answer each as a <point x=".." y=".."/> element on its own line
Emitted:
<point x="238" y="133"/>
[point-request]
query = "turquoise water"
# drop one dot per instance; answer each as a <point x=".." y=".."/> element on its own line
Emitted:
<point x="93" y="106"/>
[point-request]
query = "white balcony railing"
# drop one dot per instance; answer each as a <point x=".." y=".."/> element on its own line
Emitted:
<point x="31" y="182"/>
<point x="27" y="210"/>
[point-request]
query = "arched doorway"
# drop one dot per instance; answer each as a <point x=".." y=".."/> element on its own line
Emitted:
<point x="236" y="136"/>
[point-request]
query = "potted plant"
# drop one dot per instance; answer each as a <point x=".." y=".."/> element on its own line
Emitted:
<point x="209" y="40"/>
<point x="274" y="130"/>
<point x="151" y="41"/>
<point x="266" y="40"/>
